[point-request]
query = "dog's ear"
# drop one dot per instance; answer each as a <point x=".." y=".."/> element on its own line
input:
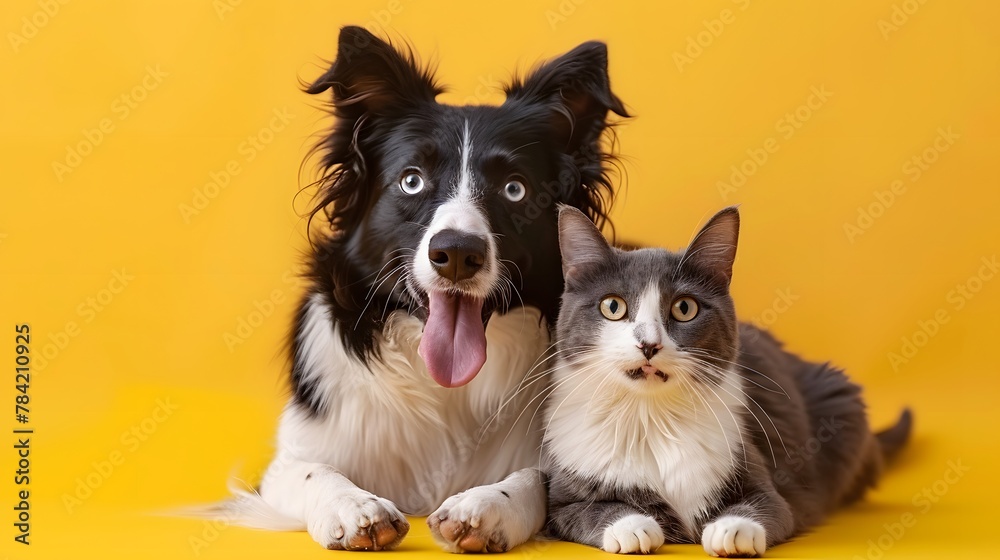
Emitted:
<point x="577" y="88"/>
<point x="371" y="76"/>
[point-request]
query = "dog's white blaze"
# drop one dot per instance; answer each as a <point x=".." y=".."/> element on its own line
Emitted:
<point x="656" y="435"/>
<point x="465" y="172"/>
<point x="460" y="213"/>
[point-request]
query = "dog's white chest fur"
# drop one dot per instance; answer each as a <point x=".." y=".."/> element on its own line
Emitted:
<point x="632" y="442"/>
<point x="393" y="431"/>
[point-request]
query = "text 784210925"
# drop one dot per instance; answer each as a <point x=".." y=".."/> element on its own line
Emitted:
<point x="22" y="433"/>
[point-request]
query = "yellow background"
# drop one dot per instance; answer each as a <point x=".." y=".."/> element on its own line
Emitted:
<point x="225" y="69"/>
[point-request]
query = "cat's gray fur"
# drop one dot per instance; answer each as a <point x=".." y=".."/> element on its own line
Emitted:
<point x="804" y="444"/>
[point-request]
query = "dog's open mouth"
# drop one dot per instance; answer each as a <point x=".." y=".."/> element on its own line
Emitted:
<point x="454" y="342"/>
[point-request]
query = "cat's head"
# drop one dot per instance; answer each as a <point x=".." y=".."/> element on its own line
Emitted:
<point x="648" y="319"/>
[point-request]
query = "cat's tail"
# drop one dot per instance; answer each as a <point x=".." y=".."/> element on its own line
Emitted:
<point x="893" y="439"/>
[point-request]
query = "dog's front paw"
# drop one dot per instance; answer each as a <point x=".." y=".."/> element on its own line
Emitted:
<point x="481" y="519"/>
<point x="358" y="520"/>
<point x="633" y="534"/>
<point x="734" y="536"/>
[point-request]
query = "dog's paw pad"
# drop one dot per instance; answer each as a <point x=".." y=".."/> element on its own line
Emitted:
<point x="360" y="521"/>
<point x="476" y="520"/>
<point x="633" y="534"/>
<point x="733" y="536"/>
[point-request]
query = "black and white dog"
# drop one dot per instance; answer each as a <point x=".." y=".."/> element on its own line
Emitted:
<point x="429" y="302"/>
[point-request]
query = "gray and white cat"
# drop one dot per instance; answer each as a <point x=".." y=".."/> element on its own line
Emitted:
<point x="670" y="421"/>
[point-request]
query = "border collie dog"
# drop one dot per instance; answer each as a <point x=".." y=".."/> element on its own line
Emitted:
<point x="429" y="302"/>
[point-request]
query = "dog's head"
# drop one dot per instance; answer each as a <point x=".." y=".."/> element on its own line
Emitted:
<point x="450" y="211"/>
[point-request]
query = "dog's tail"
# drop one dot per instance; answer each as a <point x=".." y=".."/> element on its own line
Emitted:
<point x="246" y="509"/>
<point x="893" y="439"/>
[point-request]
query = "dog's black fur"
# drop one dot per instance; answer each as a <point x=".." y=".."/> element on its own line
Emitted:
<point x="547" y="134"/>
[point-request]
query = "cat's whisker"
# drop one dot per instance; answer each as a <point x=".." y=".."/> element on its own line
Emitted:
<point x="664" y="430"/>
<point x="542" y="393"/>
<point x="739" y="427"/>
<point x="548" y="391"/>
<point x="555" y="411"/>
<point x="616" y="411"/>
<point x="762" y="374"/>
<point x="707" y="378"/>
<point x="531" y="380"/>
<point x="548" y="357"/>
<point x="521" y="387"/>
<point x="774" y="460"/>
<point x="583" y="353"/>
<point x="763" y="411"/>
<point x="781" y="390"/>
<point x="689" y="386"/>
<point x="545" y="391"/>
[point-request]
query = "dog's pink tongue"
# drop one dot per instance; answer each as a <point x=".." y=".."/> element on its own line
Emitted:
<point x="454" y="341"/>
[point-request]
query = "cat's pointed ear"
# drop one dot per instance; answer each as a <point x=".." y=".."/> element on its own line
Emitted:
<point x="714" y="248"/>
<point x="577" y="89"/>
<point x="581" y="244"/>
<point x="371" y="76"/>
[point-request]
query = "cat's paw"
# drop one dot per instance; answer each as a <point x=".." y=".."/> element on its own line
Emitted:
<point x="478" y="520"/>
<point x="734" y="536"/>
<point x="633" y="534"/>
<point x="358" y="520"/>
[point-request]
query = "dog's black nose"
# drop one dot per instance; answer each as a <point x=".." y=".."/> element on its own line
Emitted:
<point x="456" y="255"/>
<point x="649" y="350"/>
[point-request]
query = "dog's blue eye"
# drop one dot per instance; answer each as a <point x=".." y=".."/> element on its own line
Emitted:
<point x="411" y="183"/>
<point x="514" y="191"/>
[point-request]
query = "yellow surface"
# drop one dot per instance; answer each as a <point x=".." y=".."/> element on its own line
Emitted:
<point x="200" y="78"/>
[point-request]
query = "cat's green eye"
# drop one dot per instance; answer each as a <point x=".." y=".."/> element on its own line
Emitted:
<point x="613" y="308"/>
<point x="684" y="309"/>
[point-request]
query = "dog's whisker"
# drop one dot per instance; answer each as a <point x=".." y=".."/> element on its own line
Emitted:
<point x="371" y="292"/>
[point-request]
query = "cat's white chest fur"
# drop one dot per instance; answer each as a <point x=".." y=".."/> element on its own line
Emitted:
<point x="680" y="445"/>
